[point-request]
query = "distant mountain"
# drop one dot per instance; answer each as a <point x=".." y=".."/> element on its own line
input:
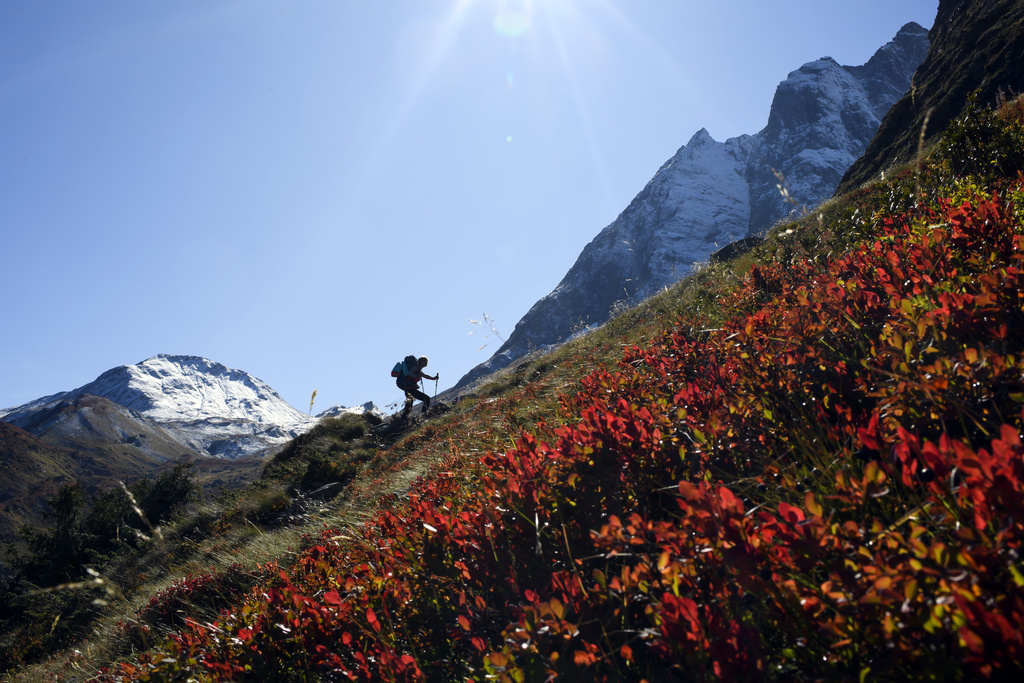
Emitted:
<point x="136" y="420"/>
<point x="975" y="47"/>
<point x="712" y="193"/>
<point x="200" y="406"/>
<point x="168" y="406"/>
<point x="338" y="411"/>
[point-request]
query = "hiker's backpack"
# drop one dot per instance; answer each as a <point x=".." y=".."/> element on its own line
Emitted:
<point x="402" y="368"/>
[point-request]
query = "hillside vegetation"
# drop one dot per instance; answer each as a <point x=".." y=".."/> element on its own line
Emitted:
<point x="804" y="464"/>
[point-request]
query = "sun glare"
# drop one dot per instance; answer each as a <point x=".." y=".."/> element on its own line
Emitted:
<point x="513" y="18"/>
<point x="511" y="24"/>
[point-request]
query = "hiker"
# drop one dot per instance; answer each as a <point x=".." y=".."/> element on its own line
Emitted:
<point x="409" y="372"/>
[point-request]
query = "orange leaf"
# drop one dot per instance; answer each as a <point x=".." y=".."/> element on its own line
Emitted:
<point x="812" y="505"/>
<point x="498" y="660"/>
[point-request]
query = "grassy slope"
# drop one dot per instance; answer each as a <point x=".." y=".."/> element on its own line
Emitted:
<point x="803" y="463"/>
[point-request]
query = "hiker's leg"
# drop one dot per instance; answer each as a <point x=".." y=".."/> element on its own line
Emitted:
<point x="421" y="396"/>
<point x="408" y="405"/>
<point x="400" y="383"/>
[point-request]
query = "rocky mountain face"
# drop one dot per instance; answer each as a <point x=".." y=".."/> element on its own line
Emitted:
<point x="974" y="47"/>
<point x="822" y="118"/>
<point x="712" y="193"/>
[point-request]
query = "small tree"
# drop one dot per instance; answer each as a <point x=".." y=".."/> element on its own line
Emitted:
<point x="172" y="490"/>
<point x="56" y="552"/>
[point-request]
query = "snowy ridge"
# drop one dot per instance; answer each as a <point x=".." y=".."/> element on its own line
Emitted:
<point x="338" y="411"/>
<point x="711" y="193"/>
<point x="209" y="408"/>
<point x="169" y="388"/>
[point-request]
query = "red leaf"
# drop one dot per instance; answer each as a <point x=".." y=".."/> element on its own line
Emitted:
<point x="869" y="435"/>
<point x="972" y="640"/>
<point x="688" y="491"/>
<point x="729" y="501"/>
<point x="791" y="514"/>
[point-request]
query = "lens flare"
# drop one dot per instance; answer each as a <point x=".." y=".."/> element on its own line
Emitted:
<point x="511" y="24"/>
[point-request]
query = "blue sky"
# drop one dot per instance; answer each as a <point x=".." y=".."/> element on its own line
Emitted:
<point x="310" y="190"/>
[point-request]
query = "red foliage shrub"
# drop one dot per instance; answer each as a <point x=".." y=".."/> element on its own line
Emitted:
<point x="830" y="484"/>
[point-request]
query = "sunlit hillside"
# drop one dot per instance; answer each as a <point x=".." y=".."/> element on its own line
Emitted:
<point x="803" y="463"/>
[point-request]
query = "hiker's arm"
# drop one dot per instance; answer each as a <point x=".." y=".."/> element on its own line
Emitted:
<point x="429" y="377"/>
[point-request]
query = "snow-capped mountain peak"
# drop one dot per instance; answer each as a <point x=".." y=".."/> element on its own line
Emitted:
<point x="208" y="408"/>
<point x="170" y="388"/>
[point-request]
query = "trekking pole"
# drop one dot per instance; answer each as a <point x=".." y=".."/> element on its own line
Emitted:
<point x="438" y="376"/>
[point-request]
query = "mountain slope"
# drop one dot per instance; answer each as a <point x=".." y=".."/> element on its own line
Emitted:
<point x="712" y="193"/>
<point x="31" y="470"/>
<point x="89" y="440"/>
<point x="89" y="421"/>
<point x="811" y="469"/>
<point x="698" y="197"/>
